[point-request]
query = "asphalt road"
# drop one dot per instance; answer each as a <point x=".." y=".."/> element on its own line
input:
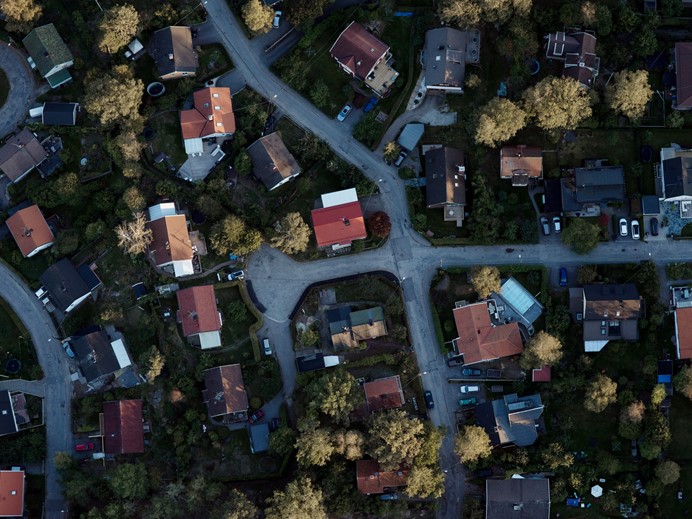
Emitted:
<point x="22" y="89"/>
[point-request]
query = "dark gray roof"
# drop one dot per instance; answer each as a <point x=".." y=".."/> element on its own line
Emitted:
<point x="445" y="177"/>
<point x="553" y="196"/>
<point x="50" y="165"/>
<point x="650" y="204"/>
<point x="172" y="51"/>
<point x="611" y="312"/>
<point x="338" y="318"/>
<point x="602" y="184"/>
<point x="511" y="420"/>
<point x="310" y="363"/>
<point x="60" y="114"/>
<point x="63" y="283"/>
<point x="677" y="177"/>
<point x="272" y="163"/>
<point x="517" y="499"/>
<point x="8" y="424"/>
<point x="445" y="57"/>
<point x="95" y="355"/>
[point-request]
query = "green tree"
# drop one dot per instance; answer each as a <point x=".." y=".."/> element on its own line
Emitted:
<point x="542" y="349"/>
<point x="467" y="13"/>
<point x="320" y="95"/>
<point x="94" y="230"/>
<point x="395" y="438"/>
<point x="484" y="221"/>
<point x="134" y="236"/>
<point x="236" y="312"/>
<point x="391" y="151"/>
<point x="134" y="199"/>
<point x="114" y="97"/>
<point x="232" y="235"/>
<point x="683" y="381"/>
<point x="668" y="472"/>
<point x="129" y="481"/>
<point x="292" y="234"/>
<point x="299" y="500"/>
<point x="485" y="280"/>
<point x="367" y="129"/>
<point x="242" y="163"/>
<point x="425" y="482"/>
<point x="629" y="92"/>
<point x="235" y="505"/>
<point x="581" y="235"/>
<point x="314" y="444"/>
<point x="63" y="461"/>
<point x="658" y="394"/>
<point x="309" y="337"/>
<point x="302" y="13"/>
<point x="587" y="274"/>
<point x="66" y="243"/>
<point x="554" y="456"/>
<point x="282" y="440"/>
<point x="472" y="444"/>
<point x="257" y="16"/>
<point x="335" y="394"/>
<point x="118" y="26"/>
<point x="498" y="121"/>
<point x="20" y="14"/>
<point x="155" y="363"/>
<point x="600" y="393"/>
<point x="557" y="103"/>
<point x="349" y="443"/>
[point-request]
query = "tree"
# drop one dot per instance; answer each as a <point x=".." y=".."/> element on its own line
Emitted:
<point x="314" y="444"/>
<point x="430" y="448"/>
<point x="629" y="92"/>
<point x="118" y="26"/>
<point x="470" y="12"/>
<point x="464" y="13"/>
<point x="20" y="14"/>
<point x="129" y="481"/>
<point x="554" y="456"/>
<point x="633" y="413"/>
<point x="368" y="128"/>
<point x="391" y="151"/>
<point x="134" y="199"/>
<point x="235" y="505"/>
<point x="155" y="363"/>
<point x="257" y="16"/>
<point x="581" y="235"/>
<point x="299" y="500"/>
<point x="425" y="482"/>
<point x="472" y="444"/>
<point x="484" y="221"/>
<point x="668" y="472"/>
<point x="282" y="440"/>
<point x="125" y="147"/>
<point x="302" y="13"/>
<point x="63" y="461"/>
<point x="485" y="280"/>
<point x="292" y="234"/>
<point x="395" y="438"/>
<point x="542" y="349"/>
<point x="134" y="236"/>
<point x="236" y="311"/>
<point x="307" y="338"/>
<point x="379" y="224"/>
<point x="498" y="121"/>
<point x="658" y="394"/>
<point x="335" y="394"/>
<point x="114" y="97"/>
<point x="587" y="274"/>
<point x="600" y="394"/>
<point x="557" y="103"/>
<point x="349" y="443"/>
<point x="683" y="381"/>
<point x="232" y="235"/>
<point x="320" y="95"/>
<point x="94" y="230"/>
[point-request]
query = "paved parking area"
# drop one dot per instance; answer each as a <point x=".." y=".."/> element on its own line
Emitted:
<point x="22" y="89"/>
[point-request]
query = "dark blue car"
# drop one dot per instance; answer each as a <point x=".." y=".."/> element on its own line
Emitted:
<point x="563" y="277"/>
<point x="371" y="105"/>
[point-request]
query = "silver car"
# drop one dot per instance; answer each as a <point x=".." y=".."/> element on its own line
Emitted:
<point x="344" y="112"/>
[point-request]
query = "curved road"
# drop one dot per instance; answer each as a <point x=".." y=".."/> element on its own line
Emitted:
<point x="22" y="89"/>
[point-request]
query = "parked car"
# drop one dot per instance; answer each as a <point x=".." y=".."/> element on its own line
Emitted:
<point x="493" y="373"/>
<point x="389" y="497"/>
<point x="400" y="158"/>
<point x="277" y="19"/>
<point x="563" y="277"/>
<point x="470" y="372"/>
<point x="469" y="389"/>
<point x="267" y="347"/>
<point x="268" y="125"/>
<point x="274" y="424"/>
<point x="635" y="229"/>
<point x="467" y="401"/>
<point x="88" y="446"/>
<point x="497" y="389"/>
<point x="653" y="223"/>
<point x="429" y="402"/>
<point x="344" y="112"/>
<point x="557" y="224"/>
<point x="371" y="105"/>
<point x="257" y="415"/>
<point x="545" y="226"/>
<point x="455" y="361"/>
<point x="68" y="349"/>
<point x="623" y="226"/>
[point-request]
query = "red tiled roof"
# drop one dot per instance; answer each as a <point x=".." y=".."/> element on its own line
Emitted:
<point x="197" y="310"/>
<point x="358" y="50"/>
<point x="122" y="427"/>
<point x="11" y="493"/>
<point x="543" y="374"/>
<point x="330" y="224"/>
<point x="479" y="340"/>
<point x="170" y="240"/>
<point x="212" y="114"/>
<point x="371" y="480"/>
<point x="385" y="393"/>
<point x="521" y="159"/>
<point x="29" y="229"/>
<point x="683" y="72"/>
<point x="683" y="331"/>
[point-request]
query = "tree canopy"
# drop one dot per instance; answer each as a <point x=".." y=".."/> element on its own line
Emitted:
<point x="581" y="235"/>
<point x="557" y="103"/>
<point x="629" y="92"/>
<point x="466" y="13"/>
<point x="498" y="121"/>
<point x="379" y="224"/>
<point x="683" y="381"/>
<point x="335" y="394"/>
<point x="130" y="481"/>
<point x="314" y="444"/>
<point x="118" y="26"/>
<point x="134" y="237"/>
<point x="472" y="444"/>
<point x="600" y="393"/>
<point x="668" y="472"/>
<point x="232" y="235"/>
<point x="20" y="14"/>
<point x="542" y="349"/>
<point x="292" y="234"/>
<point x="302" y="13"/>
<point x="257" y="16"/>
<point x="425" y="482"/>
<point x="115" y="97"/>
<point x="299" y="500"/>
<point x="236" y="505"/>
<point x="485" y="280"/>
<point x="394" y="438"/>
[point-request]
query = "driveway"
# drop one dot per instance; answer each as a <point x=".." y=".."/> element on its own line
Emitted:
<point x="22" y="89"/>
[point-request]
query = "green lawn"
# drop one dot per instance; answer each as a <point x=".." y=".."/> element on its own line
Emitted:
<point x="213" y="62"/>
<point x="168" y="137"/>
<point x="4" y="88"/>
<point x="681" y="429"/>
<point x="669" y="504"/>
<point x="235" y="325"/>
<point x="15" y="343"/>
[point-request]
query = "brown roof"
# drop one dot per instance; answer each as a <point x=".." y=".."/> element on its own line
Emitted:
<point x="384" y="393"/>
<point x="358" y="50"/>
<point x="371" y="480"/>
<point x="683" y="70"/>
<point x="11" y="493"/>
<point x="224" y="391"/>
<point x="21" y="154"/>
<point x="123" y="432"/>
<point x="29" y="229"/>
<point x="479" y="340"/>
<point x="339" y="224"/>
<point x="172" y="51"/>
<point x="272" y="163"/>
<point x="521" y="162"/>
<point x="197" y="310"/>
<point x="212" y="114"/>
<point x="683" y="332"/>
<point x="170" y="240"/>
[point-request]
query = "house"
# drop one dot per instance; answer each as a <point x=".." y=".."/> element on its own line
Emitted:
<point x="578" y="50"/>
<point x="211" y="116"/>
<point x="512" y="420"/>
<point x="607" y="312"/>
<point x="20" y="154"/>
<point x="339" y="221"/>
<point x="362" y="56"/>
<point x="517" y="498"/>
<point x="515" y="303"/>
<point x="589" y="188"/>
<point x="122" y="428"/>
<point x="445" y="182"/>
<point x="12" y="493"/>
<point x="482" y="336"/>
<point x="200" y="318"/>
<point x="98" y="355"/>
<point x="272" y="163"/>
<point x="30" y="230"/>
<point x="682" y="304"/>
<point x="172" y="52"/>
<point x="682" y="97"/>
<point x="49" y="54"/>
<point x="675" y="172"/>
<point x="59" y="114"/>
<point x="446" y="53"/>
<point x="521" y="163"/>
<point x="384" y="393"/>
<point x="65" y="287"/>
<point x="224" y="392"/>
<point x="170" y="249"/>
<point x="348" y="329"/>
<point x="370" y="479"/>
<point x="316" y="362"/>
<point x="8" y="420"/>
<point x="259" y="437"/>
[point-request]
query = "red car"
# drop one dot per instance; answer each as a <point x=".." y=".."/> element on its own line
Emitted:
<point x="256" y="416"/>
<point x="89" y="446"/>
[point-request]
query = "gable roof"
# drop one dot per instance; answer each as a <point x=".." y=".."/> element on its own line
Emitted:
<point x="683" y="332"/>
<point x="358" y="50"/>
<point x="29" y="229"/>
<point x="445" y="177"/>
<point x="384" y="393"/>
<point x="479" y="340"/>
<point x="20" y="154"/>
<point x="63" y="284"/>
<point x="212" y="114"/>
<point x="677" y="174"/>
<point x="272" y="163"/>
<point x="11" y="493"/>
<point x="8" y="421"/>
<point x="123" y="432"/>
<point x="339" y="224"/>
<point x="521" y="163"/>
<point x="616" y="302"/>
<point x="517" y="498"/>
<point x="600" y="184"/>
<point x="172" y="51"/>
<point x="371" y="480"/>
<point x="46" y="48"/>
<point x="578" y="50"/>
<point x="96" y="355"/>
<point x="224" y="391"/>
<point x="198" y="312"/>
<point x="170" y="240"/>
<point x="683" y="74"/>
<point x="511" y="419"/>
<point x="446" y="55"/>
<point x="60" y="114"/>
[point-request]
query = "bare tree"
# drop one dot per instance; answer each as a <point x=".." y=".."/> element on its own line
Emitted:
<point x="134" y="237"/>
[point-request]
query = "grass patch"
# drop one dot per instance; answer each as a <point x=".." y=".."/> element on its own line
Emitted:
<point x="679" y="271"/>
<point x="237" y="318"/>
<point x="16" y="344"/>
<point x="681" y="429"/>
<point x="4" y="88"/>
<point x="167" y="137"/>
<point x="213" y="62"/>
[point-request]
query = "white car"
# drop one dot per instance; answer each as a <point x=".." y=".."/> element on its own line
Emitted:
<point x="557" y="224"/>
<point x="344" y="112"/>
<point x="277" y="19"/>
<point x="267" y="347"/>
<point x="635" y="230"/>
<point x="623" y="226"/>
<point x="469" y="389"/>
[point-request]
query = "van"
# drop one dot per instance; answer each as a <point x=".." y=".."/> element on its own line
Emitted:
<point x="267" y="347"/>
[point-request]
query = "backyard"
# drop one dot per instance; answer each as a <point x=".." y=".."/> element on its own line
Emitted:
<point x="16" y="344"/>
